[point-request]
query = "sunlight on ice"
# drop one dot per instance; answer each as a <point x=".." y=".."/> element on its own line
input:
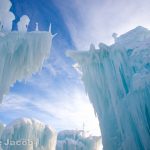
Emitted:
<point x="117" y="81"/>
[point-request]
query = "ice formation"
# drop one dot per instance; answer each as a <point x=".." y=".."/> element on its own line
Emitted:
<point x="117" y="80"/>
<point x="21" y="53"/>
<point x="2" y="126"/>
<point x="23" y="23"/>
<point x="6" y="17"/>
<point x="28" y="134"/>
<point x="76" y="140"/>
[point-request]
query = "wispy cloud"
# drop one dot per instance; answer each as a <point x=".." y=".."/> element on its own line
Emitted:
<point x="95" y="21"/>
<point x="69" y="109"/>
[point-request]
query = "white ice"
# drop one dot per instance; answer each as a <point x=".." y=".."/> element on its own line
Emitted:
<point x="23" y="23"/>
<point x="22" y="54"/>
<point x="76" y="140"/>
<point x="28" y="134"/>
<point x="6" y="17"/>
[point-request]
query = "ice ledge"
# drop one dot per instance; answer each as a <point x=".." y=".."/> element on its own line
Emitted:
<point x="130" y="51"/>
<point x="21" y="55"/>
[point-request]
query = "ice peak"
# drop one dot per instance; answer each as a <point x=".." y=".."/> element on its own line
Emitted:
<point x="134" y="37"/>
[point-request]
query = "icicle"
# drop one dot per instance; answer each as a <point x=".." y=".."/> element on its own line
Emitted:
<point x="37" y="27"/>
<point x="50" y="30"/>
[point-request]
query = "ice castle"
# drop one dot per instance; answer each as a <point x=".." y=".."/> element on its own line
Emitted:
<point x="117" y="81"/>
<point x="23" y="53"/>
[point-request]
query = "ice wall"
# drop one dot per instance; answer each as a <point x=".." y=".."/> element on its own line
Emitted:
<point x="75" y="140"/>
<point x="28" y="134"/>
<point x="21" y="55"/>
<point x="117" y="80"/>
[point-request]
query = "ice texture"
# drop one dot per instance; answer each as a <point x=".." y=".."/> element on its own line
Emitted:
<point x="117" y="80"/>
<point x="28" y="134"/>
<point x="2" y="126"/>
<point x="76" y="140"/>
<point x="6" y="17"/>
<point x="21" y="55"/>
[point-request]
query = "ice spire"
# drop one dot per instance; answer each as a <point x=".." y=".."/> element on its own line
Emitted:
<point x="37" y="27"/>
<point x="50" y="30"/>
<point x="23" y="23"/>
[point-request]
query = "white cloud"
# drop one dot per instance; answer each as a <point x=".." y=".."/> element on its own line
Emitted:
<point x="94" y="21"/>
<point x="64" y="109"/>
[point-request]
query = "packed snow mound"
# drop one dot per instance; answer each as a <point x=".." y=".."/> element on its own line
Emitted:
<point x="75" y="140"/>
<point x="117" y="80"/>
<point x="21" y="55"/>
<point x="28" y="134"/>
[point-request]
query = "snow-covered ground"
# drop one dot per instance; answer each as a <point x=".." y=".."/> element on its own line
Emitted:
<point x="117" y="81"/>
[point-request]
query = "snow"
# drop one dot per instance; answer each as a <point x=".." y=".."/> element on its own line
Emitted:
<point x="76" y="140"/>
<point x="28" y="134"/>
<point x="23" y="54"/>
<point x="117" y="81"/>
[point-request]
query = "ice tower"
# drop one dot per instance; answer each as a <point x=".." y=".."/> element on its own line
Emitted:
<point x="117" y="80"/>
<point x="22" y="53"/>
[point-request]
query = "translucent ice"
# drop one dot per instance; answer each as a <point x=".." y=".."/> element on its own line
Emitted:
<point x="117" y="80"/>
<point x="21" y="55"/>
<point x="28" y="134"/>
<point x="76" y="140"/>
<point x="2" y="126"/>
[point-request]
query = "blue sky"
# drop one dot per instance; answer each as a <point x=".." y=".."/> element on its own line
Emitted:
<point x="56" y="94"/>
